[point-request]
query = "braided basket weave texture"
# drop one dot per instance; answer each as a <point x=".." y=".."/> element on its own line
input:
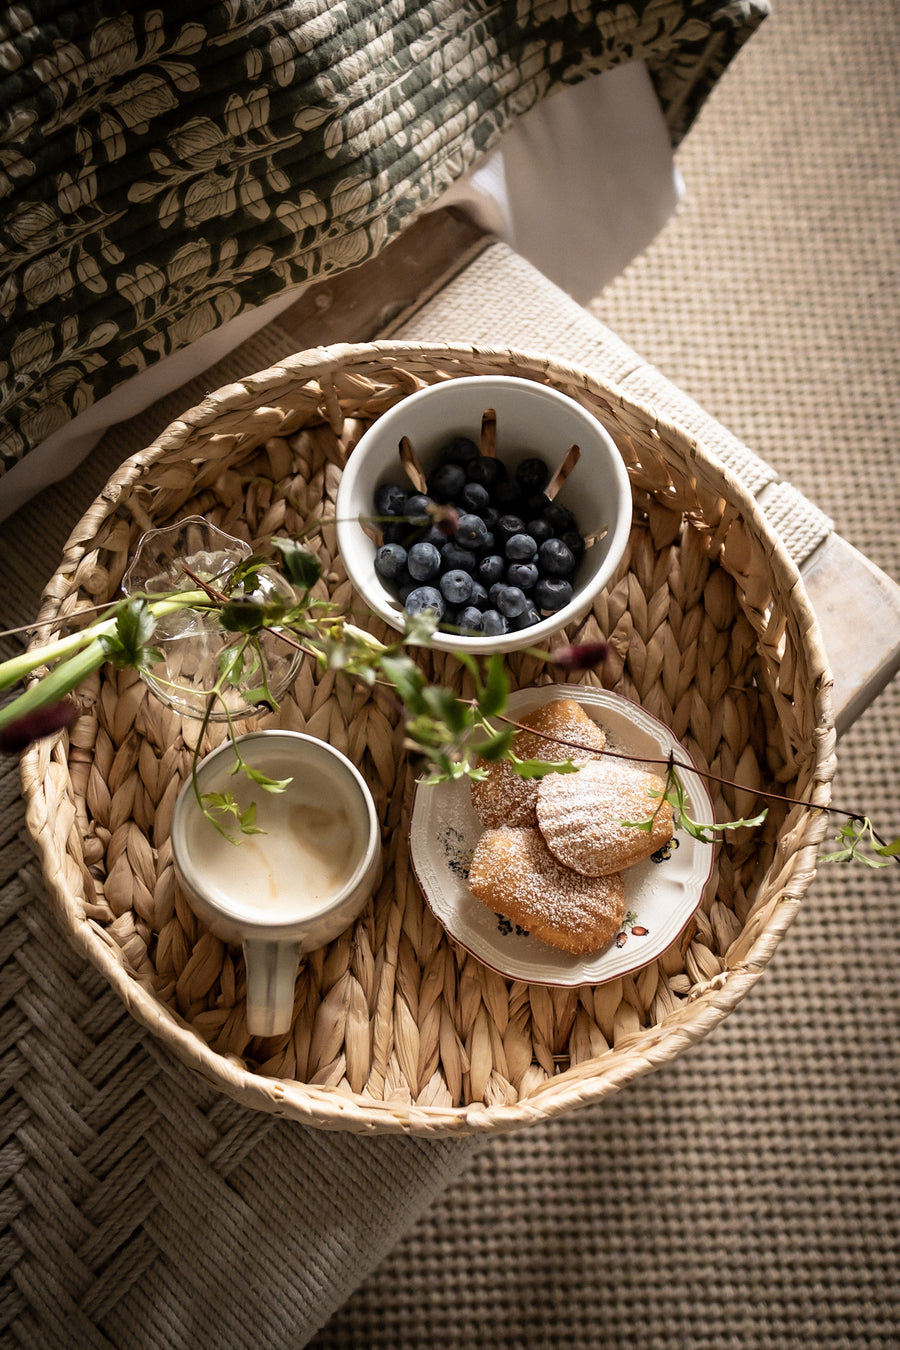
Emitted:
<point x="396" y="1028"/>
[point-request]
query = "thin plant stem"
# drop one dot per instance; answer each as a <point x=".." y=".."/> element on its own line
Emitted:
<point x="671" y="763"/>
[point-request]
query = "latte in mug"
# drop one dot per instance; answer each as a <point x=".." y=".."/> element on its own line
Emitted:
<point x="294" y="887"/>
<point x="312" y="833"/>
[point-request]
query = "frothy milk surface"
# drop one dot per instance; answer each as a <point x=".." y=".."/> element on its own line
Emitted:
<point x="314" y="831"/>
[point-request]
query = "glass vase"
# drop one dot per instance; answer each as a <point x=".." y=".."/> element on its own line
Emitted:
<point x="192" y="641"/>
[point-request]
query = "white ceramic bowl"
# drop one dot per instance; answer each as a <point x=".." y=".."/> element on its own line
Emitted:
<point x="532" y="419"/>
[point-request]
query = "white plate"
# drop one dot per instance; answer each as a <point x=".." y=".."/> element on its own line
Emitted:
<point x="660" y="895"/>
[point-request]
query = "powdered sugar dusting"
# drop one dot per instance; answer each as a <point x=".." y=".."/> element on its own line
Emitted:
<point x="560" y="730"/>
<point x="581" y="816"/>
<point x="514" y="873"/>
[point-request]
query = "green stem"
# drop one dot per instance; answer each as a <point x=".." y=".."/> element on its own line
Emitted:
<point x="195" y="757"/>
<point x="73" y="658"/>
<point x="55" y="685"/>
<point x="17" y="667"/>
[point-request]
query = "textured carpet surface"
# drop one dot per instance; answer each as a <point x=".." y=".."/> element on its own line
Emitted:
<point x="748" y="1195"/>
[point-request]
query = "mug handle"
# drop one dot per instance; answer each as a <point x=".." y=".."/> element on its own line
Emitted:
<point x="271" y="976"/>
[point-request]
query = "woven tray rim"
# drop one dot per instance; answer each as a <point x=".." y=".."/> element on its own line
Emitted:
<point x="639" y="1054"/>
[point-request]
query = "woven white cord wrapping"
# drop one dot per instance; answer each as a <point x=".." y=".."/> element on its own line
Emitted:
<point x="800" y="524"/>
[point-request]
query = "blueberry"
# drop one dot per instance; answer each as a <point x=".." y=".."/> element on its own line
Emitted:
<point x="390" y="561"/>
<point x="511" y="601"/>
<point x="490" y="568"/>
<point x="471" y="532"/>
<point x="474" y="497"/>
<point x="423" y="561"/>
<point x="447" y="482"/>
<point x="490" y="515"/>
<point x="539" y="529"/>
<point x="390" y="499"/>
<point x="425" y="599"/>
<point x="454" y="557"/>
<point x="479" y="596"/>
<point x="433" y="535"/>
<point x="459" y="450"/>
<point x="522" y="574"/>
<point x="552" y="593"/>
<point x="520" y="548"/>
<point x="527" y="619"/>
<point x="506" y="496"/>
<point x="493" y="624"/>
<point x="560" y="517"/>
<point x="532" y="475"/>
<point x="456" y="586"/>
<point x="402" y="533"/>
<point x="486" y="469"/>
<point x="470" y="619"/>
<point x="575" y="542"/>
<point x="509" y="525"/>
<point x="537" y="504"/>
<point x="555" y="558"/>
<point x="417" y="508"/>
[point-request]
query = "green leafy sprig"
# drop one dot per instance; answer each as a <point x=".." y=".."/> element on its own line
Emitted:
<point x="862" y="844"/>
<point x="453" y="737"/>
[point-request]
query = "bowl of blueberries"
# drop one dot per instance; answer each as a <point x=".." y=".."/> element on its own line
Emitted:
<point x="496" y="504"/>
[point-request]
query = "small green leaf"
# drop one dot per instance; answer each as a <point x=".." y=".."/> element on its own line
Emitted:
<point x="418" y="629"/>
<point x="223" y="804"/>
<point x="247" y="819"/>
<point x="406" y="678"/>
<point x="495" y="690"/>
<point x="539" y="768"/>
<point x="127" y="646"/>
<point x="300" y="565"/>
<point x="232" y="662"/>
<point x="707" y="831"/>
<point x="861" y="844"/>
<point x="242" y="575"/>
<point x="448" y="708"/>
<point x="426" y="735"/>
<point x="496" y="747"/>
<point x="445" y="769"/>
<point x="264" y="781"/>
<point x="645" y="825"/>
<point x="260" y="697"/>
<point x="242" y="616"/>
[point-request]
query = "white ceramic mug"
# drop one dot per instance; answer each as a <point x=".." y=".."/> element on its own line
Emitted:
<point x="294" y="887"/>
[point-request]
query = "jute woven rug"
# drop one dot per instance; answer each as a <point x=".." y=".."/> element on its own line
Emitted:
<point x="749" y="1194"/>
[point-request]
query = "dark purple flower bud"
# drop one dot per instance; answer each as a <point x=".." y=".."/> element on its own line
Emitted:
<point x="581" y="656"/>
<point x="34" y="726"/>
<point x="446" y="518"/>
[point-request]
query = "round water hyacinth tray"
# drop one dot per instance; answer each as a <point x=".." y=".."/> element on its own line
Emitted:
<point x="396" y="1026"/>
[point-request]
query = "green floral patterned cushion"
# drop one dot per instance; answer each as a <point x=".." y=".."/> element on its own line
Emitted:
<point x="163" y="168"/>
